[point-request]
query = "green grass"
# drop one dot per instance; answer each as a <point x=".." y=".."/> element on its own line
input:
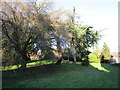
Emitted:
<point x="99" y="67"/>
<point x="31" y="64"/>
<point x="65" y="75"/>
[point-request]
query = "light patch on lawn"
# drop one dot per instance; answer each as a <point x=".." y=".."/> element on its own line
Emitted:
<point x="99" y="67"/>
<point x="31" y="64"/>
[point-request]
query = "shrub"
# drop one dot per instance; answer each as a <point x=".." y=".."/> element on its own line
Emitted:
<point x="85" y="62"/>
<point x="93" y="58"/>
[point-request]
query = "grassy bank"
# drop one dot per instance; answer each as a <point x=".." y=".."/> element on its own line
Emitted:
<point x="64" y="76"/>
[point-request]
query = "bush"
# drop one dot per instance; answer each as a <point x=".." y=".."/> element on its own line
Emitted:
<point x="85" y="62"/>
<point x="93" y="58"/>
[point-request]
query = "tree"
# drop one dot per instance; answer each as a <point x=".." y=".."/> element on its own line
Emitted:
<point x="83" y="38"/>
<point x="26" y="25"/>
<point x="79" y="38"/>
<point x="66" y="54"/>
<point x="61" y="32"/>
<point x="20" y="30"/>
<point x="106" y="51"/>
<point x="97" y="51"/>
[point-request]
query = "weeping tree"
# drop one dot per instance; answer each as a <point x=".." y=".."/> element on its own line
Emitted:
<point x="9" y="54"/>
<point x="16" y="30"/>
<point x="22" y="24"/>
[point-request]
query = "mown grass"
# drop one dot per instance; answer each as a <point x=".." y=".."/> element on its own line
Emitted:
<point x="30" y="64"/>
<point x="65" y="75"/>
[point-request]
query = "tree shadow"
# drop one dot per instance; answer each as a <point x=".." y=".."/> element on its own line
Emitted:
<point x="14" y="76"/>
<point x="43" y="71"/>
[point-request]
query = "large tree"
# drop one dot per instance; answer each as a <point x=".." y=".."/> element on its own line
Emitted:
<point x="22" y="25"/>
<point x="26" y="25"/>
<point x="83" y="38"/>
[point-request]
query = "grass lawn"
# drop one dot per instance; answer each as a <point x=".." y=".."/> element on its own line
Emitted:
<point x="66" y="75"/>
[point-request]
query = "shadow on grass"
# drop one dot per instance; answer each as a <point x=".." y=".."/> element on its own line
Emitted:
<point x="34" y="72"/>
<point x="91" y="72"/>
<point x="45" y="70"/>
<point x="13" y="76"/>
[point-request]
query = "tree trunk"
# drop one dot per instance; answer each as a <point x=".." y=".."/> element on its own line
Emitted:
<point x="23" y="66"/>
<point x="24" y="61"/>
<point x="68" y="58"/>
<point x="59" y="61"/>
<point x="74" y="57"/>
<point x="59" y="58"/>
<point x="59" y="50"/>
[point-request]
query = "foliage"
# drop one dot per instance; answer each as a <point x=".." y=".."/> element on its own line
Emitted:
<point x="106" y="51"/>
<point x="29" y="27"/>
<point x="83" y="38"/>
<point x="93" y="58"/>
<point x="21" y="28"/>
<point x="97" y="51"/>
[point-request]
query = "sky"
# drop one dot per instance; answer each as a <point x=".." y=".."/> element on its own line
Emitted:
<point x="101" y="14"/>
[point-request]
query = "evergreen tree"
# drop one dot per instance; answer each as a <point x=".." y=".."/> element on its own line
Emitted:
<point x="106" y="51"/>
